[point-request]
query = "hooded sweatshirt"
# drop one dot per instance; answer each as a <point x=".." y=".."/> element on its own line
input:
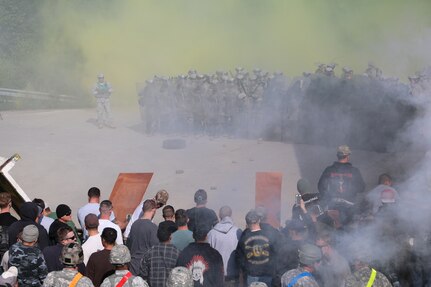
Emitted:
<point x="224" y="238"/>
<point x="28" y="212"/>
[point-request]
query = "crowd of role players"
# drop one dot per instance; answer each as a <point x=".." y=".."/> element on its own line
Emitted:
<point x="197" y="247"/>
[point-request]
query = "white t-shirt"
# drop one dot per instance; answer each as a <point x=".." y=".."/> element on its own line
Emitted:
<point x="87" y="209"/>
<point x="93" y="244"/>
<point x="106" y="223"/>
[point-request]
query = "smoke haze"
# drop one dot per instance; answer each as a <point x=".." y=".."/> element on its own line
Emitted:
<point x="130" y="41"/>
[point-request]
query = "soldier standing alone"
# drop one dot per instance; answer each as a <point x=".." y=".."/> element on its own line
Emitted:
<point x="102" y="91"/>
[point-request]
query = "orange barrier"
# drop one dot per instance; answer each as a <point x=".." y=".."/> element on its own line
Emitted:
<point x="127" y="194"/>
<point x="268" y="194"/>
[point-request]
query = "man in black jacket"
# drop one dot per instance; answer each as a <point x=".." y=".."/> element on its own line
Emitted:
<point x="29" y="214"/>
<point x="341" y="186"/>
<point x="205" y="263"/>
<point x="256" y="251"/>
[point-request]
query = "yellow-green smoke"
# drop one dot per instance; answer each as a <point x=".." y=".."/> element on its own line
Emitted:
<point x="130" y="41"/>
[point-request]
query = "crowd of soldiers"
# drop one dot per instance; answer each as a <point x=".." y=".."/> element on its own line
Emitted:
<point x="249" y="104"/>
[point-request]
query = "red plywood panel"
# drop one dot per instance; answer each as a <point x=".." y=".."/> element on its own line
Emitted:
<point x="127" y="194"/>
<point x="268" y="194"/>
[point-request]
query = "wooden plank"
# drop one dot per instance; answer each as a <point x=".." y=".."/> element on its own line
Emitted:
<point x="268" y="194"/>
<point x="127" y="194"/>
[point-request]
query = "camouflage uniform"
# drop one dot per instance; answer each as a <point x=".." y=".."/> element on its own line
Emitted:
<point x="306" y="281"/>
<point x="31" y="265"/>
<point x="102" y="91"/>
<point x="362" y="276"/>
<point x="63" y="279"/>
<point x="133" y="281"/>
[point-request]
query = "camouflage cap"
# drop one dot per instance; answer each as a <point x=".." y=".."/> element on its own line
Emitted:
<point x="100" y="76"/>
<point x="72" y="254"/>
<point x="258" y="284"/>
<point x="119" y="255"/>
<point x="161" y="198"/>
<point x="180" y="277"/>
<point x="343" y="150"/>
<point x="309" y="254"/>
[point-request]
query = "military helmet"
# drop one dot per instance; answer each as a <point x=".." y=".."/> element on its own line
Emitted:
<point x="180" y="277"/>
<point x="161" y="198"/>
<point x="72" y="254"/>
<point x="119" y="255"/>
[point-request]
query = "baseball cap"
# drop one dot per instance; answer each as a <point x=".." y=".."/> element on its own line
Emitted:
<point x="30" y="233"/>
<point x="344" y="150"/>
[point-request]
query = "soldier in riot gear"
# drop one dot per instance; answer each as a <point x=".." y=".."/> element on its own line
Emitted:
<point x="347" y="73"/>
<point x="102" y="91"/>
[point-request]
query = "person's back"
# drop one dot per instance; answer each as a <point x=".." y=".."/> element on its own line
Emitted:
<point x="160" y="259"/>
<point x="6" y="219"/>
<point x="71" y="256"/>
<point x="341" y="179"/>
<point x="119" y="258"/>
<point x="94" y="241"/>
<point x="201" y="215"/>
<point x="205" y="263"/>
<point x="224" y="238"/>
<point x="98" y="265"/>
<point x="104" y="220"/>
<point x="28" y="212"/>
<point x="183" y="236"/>
<point x="143" y="235"/>
<point x="28" y="258"/>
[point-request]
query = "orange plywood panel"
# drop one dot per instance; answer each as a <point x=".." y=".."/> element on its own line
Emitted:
<point x="268" y="194"/>
<point x="127" y="194"/>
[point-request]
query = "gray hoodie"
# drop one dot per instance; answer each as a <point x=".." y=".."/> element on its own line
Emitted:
<point x="224" y="238"/>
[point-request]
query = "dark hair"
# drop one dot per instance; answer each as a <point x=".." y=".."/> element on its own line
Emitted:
<point x="93" y="192"/>
<point x="109" y="234"/>
<point x="148" y="205"/>
<point x="384" y="177"/>
<point x="39" y="203"/>
<point x="62" y="233"/>
<point x="181" y="217"/>
<point x="163" y="233"/>
<point x="91" y="221"/>
<point x="200" y="196"/>
<point x="168" y="211"/>
<point x="200" y="232"/>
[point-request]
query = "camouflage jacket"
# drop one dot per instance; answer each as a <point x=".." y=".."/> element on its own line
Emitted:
<point x="134" y="281"/>
<point x="30" y="262"/>
<point x="362" y="276"/>
<point x="63" y="279"/>
<point x="306" y="281"/>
